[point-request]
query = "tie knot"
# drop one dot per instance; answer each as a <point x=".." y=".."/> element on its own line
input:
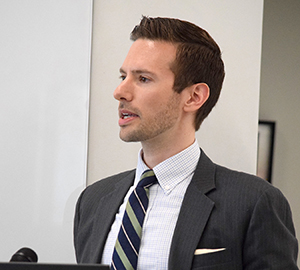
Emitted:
<point x="148" y="178"/>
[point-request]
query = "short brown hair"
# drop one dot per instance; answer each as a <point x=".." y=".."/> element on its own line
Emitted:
<point x="198" y="56"/>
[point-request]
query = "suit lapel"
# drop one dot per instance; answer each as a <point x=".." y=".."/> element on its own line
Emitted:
<point x="107" y="212"/>
<point x="194" y="214"/>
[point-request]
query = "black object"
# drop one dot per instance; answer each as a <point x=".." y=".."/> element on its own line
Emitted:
<point x="24" y="255"/>
<point x="48" y="266"/>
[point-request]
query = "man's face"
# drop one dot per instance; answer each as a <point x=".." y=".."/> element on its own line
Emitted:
<point x="149" y="108"/>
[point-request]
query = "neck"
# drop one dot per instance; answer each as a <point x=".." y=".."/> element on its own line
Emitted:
<point x="155" y="153"/>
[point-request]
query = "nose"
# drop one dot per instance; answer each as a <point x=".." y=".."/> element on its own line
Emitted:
<point x="124" y="91"/>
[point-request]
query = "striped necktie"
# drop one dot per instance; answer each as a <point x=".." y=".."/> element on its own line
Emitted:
<point x="127" y="246"/>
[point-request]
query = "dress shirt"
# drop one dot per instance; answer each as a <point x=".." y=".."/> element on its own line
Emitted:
<point x="165" y="198"/>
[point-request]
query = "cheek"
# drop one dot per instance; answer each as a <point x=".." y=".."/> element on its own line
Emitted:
<point x="152" y="102"/>
<point x="155" y="105"/>
<point x="158" y="99"/>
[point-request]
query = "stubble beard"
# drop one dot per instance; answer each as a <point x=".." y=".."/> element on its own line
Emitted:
<point x="158" y="124"/>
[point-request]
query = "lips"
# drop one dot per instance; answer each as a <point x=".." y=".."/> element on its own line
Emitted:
<point x="126" y="117"/>
<point x="126" y="114"/>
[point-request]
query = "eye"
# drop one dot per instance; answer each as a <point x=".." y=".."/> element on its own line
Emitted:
<point x="122" y="77"/>
<point x="144" y="79"/>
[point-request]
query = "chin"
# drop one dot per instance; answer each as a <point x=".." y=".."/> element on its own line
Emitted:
<point x="128" y="138"/>
<point x="131" y="136"/>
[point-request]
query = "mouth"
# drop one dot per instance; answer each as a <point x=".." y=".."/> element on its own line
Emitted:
<point x="124" y="114"/>
<point x="126" y="117"/>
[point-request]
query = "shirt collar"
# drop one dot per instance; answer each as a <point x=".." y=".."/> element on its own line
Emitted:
<point x="173" y="170"/>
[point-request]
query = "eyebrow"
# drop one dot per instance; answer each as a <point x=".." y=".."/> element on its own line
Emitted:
<point x="138" y="71"/>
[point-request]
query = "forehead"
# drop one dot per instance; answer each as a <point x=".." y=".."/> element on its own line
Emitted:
<point x="149" y="54"/>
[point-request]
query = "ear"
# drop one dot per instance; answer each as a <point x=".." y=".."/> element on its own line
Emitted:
<point x="197" y="94"/>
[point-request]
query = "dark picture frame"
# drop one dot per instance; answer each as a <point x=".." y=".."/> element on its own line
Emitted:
<point x="265" y="151"/>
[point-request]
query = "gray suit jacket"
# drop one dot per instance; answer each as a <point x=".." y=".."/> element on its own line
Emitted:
<point x="222" y="208"/>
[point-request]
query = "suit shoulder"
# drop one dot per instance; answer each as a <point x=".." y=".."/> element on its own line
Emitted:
<point x="244" y="183"/>
<point x="237" y="177"/>
<point x="91" y="196"/>
<point x="105" y="185"/>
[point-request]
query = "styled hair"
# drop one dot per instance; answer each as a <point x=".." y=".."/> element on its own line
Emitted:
<point x="198" y="56"/>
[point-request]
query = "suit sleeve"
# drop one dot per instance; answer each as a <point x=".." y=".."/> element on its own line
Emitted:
<point x="76" y="227"/>
<point x="270" y="241"/>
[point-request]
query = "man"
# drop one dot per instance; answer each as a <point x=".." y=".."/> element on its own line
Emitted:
<point x="200" y="215"/>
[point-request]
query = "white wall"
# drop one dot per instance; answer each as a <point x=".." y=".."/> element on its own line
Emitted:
<point x="280" y="94"/>
<point x="229" y="135"/>
<point x="44" y="97"/>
